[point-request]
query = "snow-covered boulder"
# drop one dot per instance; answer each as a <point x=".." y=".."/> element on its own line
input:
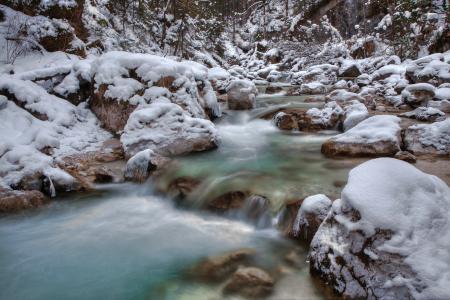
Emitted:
<point x="313" y="88"/>
<point x="140" y="166"/>
<point x="326" y="118"/>
<point x="363" y="80"/>
<point x="429" y="138"/>
<point x="342" y="97"/>
<point x="241" y="95"/>
<point x="375" y="136"/>
<point x="387" y="71"/>
<point x="442" y="105"/>
<point x="123" y="81"/>
<point x="431" y="69"/>
<point x="313" y="119"/>
<point x="325" y="74"/>
<point x="424" y="114"/>
<point x="388" y="235"/>
<point x="349" y="69"/>
<point x="166" y="129"/>
<point x="442" y="93"/>
<point x="418" y="94"/>
<point x="354" y="113"/>
<point x="310" y="215"/>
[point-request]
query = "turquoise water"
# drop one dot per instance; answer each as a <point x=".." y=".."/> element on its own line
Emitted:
<point x="120" y="243"/>
<point x="125" y="242"/>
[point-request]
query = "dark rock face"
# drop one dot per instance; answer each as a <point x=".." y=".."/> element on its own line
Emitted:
<point x="112" y="114"/>
<point x="227" y="201"/>
<point x="250" y="282"/>
<point x="382" y="148"/>
<point x="14" y="201"/>
<point x="351" y="71"/>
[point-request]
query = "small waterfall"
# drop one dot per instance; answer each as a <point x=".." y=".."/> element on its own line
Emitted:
<point x="256" y="210"/>
<point x="51" y="188"/>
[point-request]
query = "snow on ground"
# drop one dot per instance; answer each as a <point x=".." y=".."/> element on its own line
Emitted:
<point x="26" y="140"/>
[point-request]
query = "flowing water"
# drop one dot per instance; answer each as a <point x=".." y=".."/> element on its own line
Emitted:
<point x="125" y="242"/>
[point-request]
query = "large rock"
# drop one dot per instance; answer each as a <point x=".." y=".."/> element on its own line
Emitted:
<point x="424" y="114"/>
<point x="14" y="201"/>
<point x="241" y="95"/>
<point x="167" y="130"/>
<point x="349" y="70"/>
<point x="418" y="94"/>
<point x="375" y="136"/>
<point x="313" y="119"/>
<point x="310" y="215"/>
<point x="386" y="237"/>
<point x="250" y="282"/>
<point x="442" y="105"/>
<point x="428" y="138"/>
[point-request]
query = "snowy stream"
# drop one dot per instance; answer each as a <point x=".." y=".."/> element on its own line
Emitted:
<point x="125" y="242"/>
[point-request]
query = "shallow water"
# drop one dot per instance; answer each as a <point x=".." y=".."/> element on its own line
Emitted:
<point x="120" y="243"/>
<point x="257" y="157"/>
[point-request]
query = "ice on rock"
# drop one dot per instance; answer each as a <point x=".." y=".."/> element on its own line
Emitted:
<point x="388" y="235"/>
<point x="167" y="130"/>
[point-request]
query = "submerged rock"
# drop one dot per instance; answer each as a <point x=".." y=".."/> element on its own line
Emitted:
<point x="216" y="268"/>
<point x="227" y="201"/>
<point x="375" y="136"/>
<point x="250" y="282"/>
<point x="381" y="239"/>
